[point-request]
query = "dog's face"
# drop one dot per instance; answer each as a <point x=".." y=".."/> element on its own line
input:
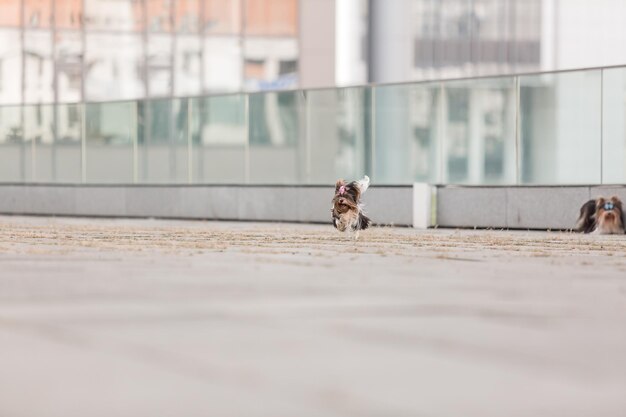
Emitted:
<point x="609" y="215"/>
<point x="346" y="197"/>
<point x="345" y="205"/>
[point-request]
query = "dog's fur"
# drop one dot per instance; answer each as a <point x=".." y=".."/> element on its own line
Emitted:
<point x="594" y="218"/>
<point x="347" y="211"/>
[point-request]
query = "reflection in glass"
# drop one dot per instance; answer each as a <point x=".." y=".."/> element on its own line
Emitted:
<point x="614" y="126"/>
<point x="13" y="149"/>
<point x="39" y="123"/>
<point x="406" y="128"/>
<point x="276" y="152"/>
<point x="163" y="153"/>
<point x="219" y="139"/>
<point x="113" y="66"/>
<point x="338" y="129"/>
<point x="560" y="128"/>
<point x="55" y="160"/>
<point x="110" y="134"/>
<point x="38" y="133"/>
<point x="479" y="144"/>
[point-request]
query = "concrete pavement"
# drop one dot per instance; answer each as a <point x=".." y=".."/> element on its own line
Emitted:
<point x="170" y="318"/>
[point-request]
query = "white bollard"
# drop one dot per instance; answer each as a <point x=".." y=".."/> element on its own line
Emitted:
<point x="423" y="211"/>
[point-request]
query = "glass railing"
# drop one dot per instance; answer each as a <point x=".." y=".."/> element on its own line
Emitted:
<point x="565" y="127"/>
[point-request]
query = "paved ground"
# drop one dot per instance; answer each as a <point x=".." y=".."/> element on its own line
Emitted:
<point x="162" y="318"/>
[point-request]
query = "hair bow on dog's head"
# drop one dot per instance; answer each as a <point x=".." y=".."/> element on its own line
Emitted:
<point x="609" y="205"/>
<point x="341" y="190"/>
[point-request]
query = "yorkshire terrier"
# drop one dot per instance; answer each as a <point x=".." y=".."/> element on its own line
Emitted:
<point x="347" y="210"/>
<point x="602" y="216"/>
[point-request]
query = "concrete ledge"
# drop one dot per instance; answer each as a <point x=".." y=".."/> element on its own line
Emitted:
<point x="517" y="207"/>
<point x="457" y="206"/>
<point x="306" y="204"/>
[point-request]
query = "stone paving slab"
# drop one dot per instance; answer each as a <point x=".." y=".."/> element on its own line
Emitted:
<point x="172" y="318"/>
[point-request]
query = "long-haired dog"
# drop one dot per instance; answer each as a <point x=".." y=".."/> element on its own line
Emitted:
<point x="602" y="216"/>
<point x="347" y="210"/>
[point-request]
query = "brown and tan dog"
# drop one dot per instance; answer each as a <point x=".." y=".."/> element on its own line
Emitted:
<point x="602" y="216"/>
<point x="347" y="212"/>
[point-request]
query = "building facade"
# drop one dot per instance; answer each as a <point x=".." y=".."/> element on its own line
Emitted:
<point x="102" y="50"/>
<point x="135" y="62"/>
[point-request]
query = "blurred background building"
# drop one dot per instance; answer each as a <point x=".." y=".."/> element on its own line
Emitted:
<point x="56" y="53"/>
<point x="102" y="50"/>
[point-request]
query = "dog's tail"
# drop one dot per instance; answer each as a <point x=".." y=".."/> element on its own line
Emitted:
<point x="587" y="219"/>
<point x="364" y="222"/>
<point x="363" y="183"/>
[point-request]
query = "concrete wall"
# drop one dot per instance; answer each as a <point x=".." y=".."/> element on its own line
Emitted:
<point x="466" y="207"/>
<point x="387" y="205"/>
<point x="517" y="207"/>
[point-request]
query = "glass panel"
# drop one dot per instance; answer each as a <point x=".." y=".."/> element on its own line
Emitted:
<point x="37" y="13"/>
<point x="160" y="65"/>
<point x="113" y="63"/>
<point x="479" y="132"/>
<point x="163" y="144"/>
<point x="219" y="153"/>
<point x="55" y="160"/>
<point x="69" y="69"/>
<point x="222" y="16"/>
<point x="68" y="14"/>
<point x="406" y="134"/>
<point x="67" y="146"/>
<point x="276" y="154"/>
<point x="159" y="15"/>
<point x="109" y="143"/>
<point x="406" y="123"/>
<point x="560" y="128"/>
<point x="14" y="151"/>
<point x="10" y="66"/>
<point x="222" y="64"/>
<point x="187" y="74"/>
<point x="271" y="63"/>
<point x="38" y="131"/>
<point x="614" y="127"/>
<point x="338" y="128"/>
<point x="114" y="15"/>
<point x="271" y="17"/>
<point x="9" y="13"/>
<point x="38" y="67"/>
<point x="187" y="16"/>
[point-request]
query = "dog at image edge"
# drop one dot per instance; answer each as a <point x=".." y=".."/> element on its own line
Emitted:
<point x="347" y="210"/>
<point x="602" y="216"/>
